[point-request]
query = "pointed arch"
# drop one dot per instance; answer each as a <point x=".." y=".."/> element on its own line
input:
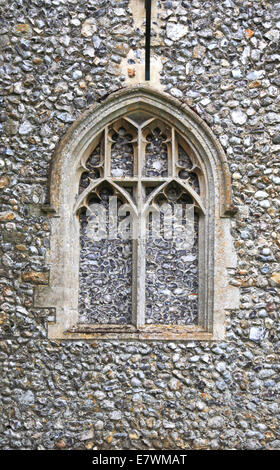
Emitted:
<point x="184" y="186"/>
<point x="216" y="254"/>
<point x="77" y="142"/>
<point x="94" y="185"/>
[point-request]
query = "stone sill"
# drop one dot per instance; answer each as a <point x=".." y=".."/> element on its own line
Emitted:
<point x="130" y="332"/>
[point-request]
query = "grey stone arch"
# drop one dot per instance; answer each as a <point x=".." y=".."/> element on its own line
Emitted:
<point x="216" y="251"/>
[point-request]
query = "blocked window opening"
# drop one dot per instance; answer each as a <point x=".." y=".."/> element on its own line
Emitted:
<point x="148" y="152"/>
<point x="147" y="280"/>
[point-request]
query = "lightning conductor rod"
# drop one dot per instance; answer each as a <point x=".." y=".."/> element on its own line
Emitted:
<point x="148" y="40"/>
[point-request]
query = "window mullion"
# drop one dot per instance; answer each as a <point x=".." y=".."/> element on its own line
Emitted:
<point x="173" y="157"/>
<point x="107" y="154"/>
<point x="141" y="238"/>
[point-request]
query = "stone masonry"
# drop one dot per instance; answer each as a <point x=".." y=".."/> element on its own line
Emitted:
<point x="222" y="58"/>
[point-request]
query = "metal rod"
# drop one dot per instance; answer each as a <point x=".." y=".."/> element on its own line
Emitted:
<point x="148" y="39"/>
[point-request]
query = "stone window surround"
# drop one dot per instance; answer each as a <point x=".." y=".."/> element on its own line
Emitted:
<point x="216" y="252"/>
<point x="139" y="178"/>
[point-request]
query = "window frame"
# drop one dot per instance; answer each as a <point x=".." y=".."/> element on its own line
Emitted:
<point x="140" y="207"/>
<point x="216" y="252"/>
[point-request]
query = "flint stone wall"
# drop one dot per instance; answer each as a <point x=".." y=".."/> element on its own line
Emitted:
<point x="222" y="58"/>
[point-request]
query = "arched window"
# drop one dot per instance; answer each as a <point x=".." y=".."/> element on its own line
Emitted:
<point x="121" y="265"/>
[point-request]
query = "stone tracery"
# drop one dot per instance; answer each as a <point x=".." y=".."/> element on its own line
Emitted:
<point x="195" y="163"/>
<point x="144" y="158"/>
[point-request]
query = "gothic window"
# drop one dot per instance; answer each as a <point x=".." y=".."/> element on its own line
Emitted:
<point x="152" y="278"/>
<point x="133" y="164"/>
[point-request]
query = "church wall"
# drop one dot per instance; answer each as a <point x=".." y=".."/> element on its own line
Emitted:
<point x="57" y="58"/>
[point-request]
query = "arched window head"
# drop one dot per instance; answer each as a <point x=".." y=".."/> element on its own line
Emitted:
<point x="140" y="196"/>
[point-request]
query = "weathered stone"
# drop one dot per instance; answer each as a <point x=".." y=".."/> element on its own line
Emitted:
<point x="198" y="52"/>
<point x="272" y="118"/>
<point x="276" y="139"/>
<point x="238" y="117"/>
<point x="6" y="216"/>
<point x="61" y="444"/>
<point x="22" y="28"/>
<point x="35" y="277"/>
<point x="65" y="117"/>
<point x="89" y="51"/>
<point x="256" y="333"/>
<point x="261" y="195"/>
<point x="216" y="422"/>
<point x="27" y="398"/>
<point x="275" y="278"/>
<point x="176" y="31"/>
<point x="11" y="127"/>
<point x="25" y="128"/>
<point x="116" y="416"/>
<point x="89" y="27"/>
<point x="86" y="435"/>
<point x="256" y="75"/>
<point x="4" y="181"/>
<point x="174" y="384"/>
